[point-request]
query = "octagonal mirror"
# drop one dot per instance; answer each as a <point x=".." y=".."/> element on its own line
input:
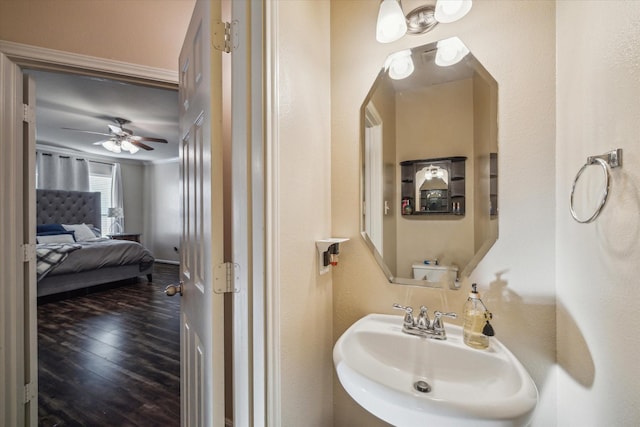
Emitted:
<point x="429" y="155"/>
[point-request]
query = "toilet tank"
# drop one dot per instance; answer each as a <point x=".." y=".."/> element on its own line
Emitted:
<point x="434" y="273"/>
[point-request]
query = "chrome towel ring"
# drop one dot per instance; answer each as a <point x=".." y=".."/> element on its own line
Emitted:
<point x="612" y="159"/>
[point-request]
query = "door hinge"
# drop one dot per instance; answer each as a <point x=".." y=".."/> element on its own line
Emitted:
<point x="227" y="278"/>
<point x="225" y="36"/>
<point x="28" y="115"/>
<point x="29" y="393"/>
<point x="28" y="252"/>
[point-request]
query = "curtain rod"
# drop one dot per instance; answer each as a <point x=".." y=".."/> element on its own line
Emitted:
<point x="79" y="158"/>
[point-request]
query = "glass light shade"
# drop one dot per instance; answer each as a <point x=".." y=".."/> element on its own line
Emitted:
<point x="451" y="10"/>
<point x="112" y="146"/>
<point x="126" y="145"/>
<point x="400" y="65"/>
<point x="450" y="51"/>
<point x="391" y="22"/>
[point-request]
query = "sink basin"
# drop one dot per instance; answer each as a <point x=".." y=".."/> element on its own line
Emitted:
<point x="379" y="365"/>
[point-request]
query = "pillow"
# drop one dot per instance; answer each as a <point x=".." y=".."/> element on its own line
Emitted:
<point x="56" y="238"/>
<point x="55" y="233"/>
<point x="46" y="228"/>
<point x="95" y="229"/>
<point x="83" y="232"/>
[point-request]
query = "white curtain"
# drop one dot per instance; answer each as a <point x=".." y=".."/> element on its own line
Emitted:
<point x="61" y="172"/>
<point x="117" y="194"/>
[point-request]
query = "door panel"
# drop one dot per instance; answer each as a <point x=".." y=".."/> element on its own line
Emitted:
<point x="201" y="247"/>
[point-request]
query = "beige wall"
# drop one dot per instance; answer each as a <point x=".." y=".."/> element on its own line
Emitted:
<point x="598" y="103"/>
<point x="304" y="211"/>
<point x="436" y="121"/>
<point x="515" y="41"/>
<point x="145" y="32"/>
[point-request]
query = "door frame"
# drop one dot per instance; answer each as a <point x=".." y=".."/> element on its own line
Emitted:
<point x="253" y="374"/>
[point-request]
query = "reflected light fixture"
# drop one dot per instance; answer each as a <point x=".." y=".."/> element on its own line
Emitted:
<point x="392" y="24"/>
<point x="450" y="51"/>
<point x="400" y="64"/>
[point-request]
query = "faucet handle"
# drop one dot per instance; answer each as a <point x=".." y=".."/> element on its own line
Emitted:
<point x="408" y="314"/>
<point x="437" y="320"/>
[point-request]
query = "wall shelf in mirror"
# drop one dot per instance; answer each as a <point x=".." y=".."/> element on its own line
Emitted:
<point x="433" y="186"/>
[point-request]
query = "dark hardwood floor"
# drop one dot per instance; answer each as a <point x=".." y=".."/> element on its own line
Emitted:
<point x="111" y="358"/>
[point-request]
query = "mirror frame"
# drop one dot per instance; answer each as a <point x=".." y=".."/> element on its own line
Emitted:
<point x="486" y="246"/>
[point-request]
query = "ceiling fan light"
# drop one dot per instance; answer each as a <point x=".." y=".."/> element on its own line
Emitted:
<point x="448" y="11"/>
<point x="126" y="145"/>
<point x="109" y="145"/>
<point x="133" y="149"/>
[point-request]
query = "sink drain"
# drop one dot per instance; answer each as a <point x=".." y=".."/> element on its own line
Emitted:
<point x="422" y="386"/>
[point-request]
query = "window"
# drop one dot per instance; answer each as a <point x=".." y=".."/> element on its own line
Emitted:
<point x="100" y="179"/>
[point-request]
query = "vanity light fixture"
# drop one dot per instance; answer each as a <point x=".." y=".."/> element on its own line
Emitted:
<point x="450" y="51"/>
<point x="400" y="64"/>
<point x="392" y="24"/>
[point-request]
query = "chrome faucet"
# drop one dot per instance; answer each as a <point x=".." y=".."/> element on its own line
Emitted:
<point x="422" y="326"/>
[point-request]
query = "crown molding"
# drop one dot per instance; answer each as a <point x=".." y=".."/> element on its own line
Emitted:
<point x="44" y="58"/>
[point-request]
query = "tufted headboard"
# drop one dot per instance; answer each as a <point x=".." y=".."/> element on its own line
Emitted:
<point x="67" y="207"/>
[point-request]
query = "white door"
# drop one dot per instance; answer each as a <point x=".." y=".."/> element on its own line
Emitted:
<point x="202" y="242"/>
<point x="18" y="342"/>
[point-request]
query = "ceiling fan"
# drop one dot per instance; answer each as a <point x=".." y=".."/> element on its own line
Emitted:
<point x="121" y="138"/>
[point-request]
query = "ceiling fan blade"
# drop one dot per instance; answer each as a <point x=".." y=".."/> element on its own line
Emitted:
<point x="116" y="130"/>
<point x="140" y="144"/>
<point x="149" y="139"/>
<point x="87" y="131"/>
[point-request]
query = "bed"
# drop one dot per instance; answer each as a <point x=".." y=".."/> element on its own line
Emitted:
<point x="70" y="259"/>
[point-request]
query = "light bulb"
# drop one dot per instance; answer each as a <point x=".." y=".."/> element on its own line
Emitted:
<point x="451" y="10"/>
<point x="391" y="23"/>
<point x="400" y="64"/>
<point x="450" y="51"/>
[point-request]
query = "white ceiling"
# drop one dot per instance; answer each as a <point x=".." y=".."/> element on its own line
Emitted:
<point x="91" y="103"/>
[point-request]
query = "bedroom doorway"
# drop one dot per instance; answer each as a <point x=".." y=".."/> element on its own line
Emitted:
<point x="116" y="359"/>
<point x="30" y="375"/>
<point x="249" y="338"/>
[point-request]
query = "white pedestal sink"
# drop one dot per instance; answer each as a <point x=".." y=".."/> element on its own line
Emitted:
<point x="379" y="365"/>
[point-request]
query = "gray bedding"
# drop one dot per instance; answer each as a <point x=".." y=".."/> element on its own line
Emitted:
<point x="104" y="253"/>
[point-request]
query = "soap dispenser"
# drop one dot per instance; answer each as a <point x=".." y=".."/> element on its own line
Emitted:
<point x="476" y="328"/>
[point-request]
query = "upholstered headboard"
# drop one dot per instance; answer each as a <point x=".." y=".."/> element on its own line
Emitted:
<point x="67" y="207"/>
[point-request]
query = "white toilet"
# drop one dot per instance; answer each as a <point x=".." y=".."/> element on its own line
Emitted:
<point x="434" y="273"/>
